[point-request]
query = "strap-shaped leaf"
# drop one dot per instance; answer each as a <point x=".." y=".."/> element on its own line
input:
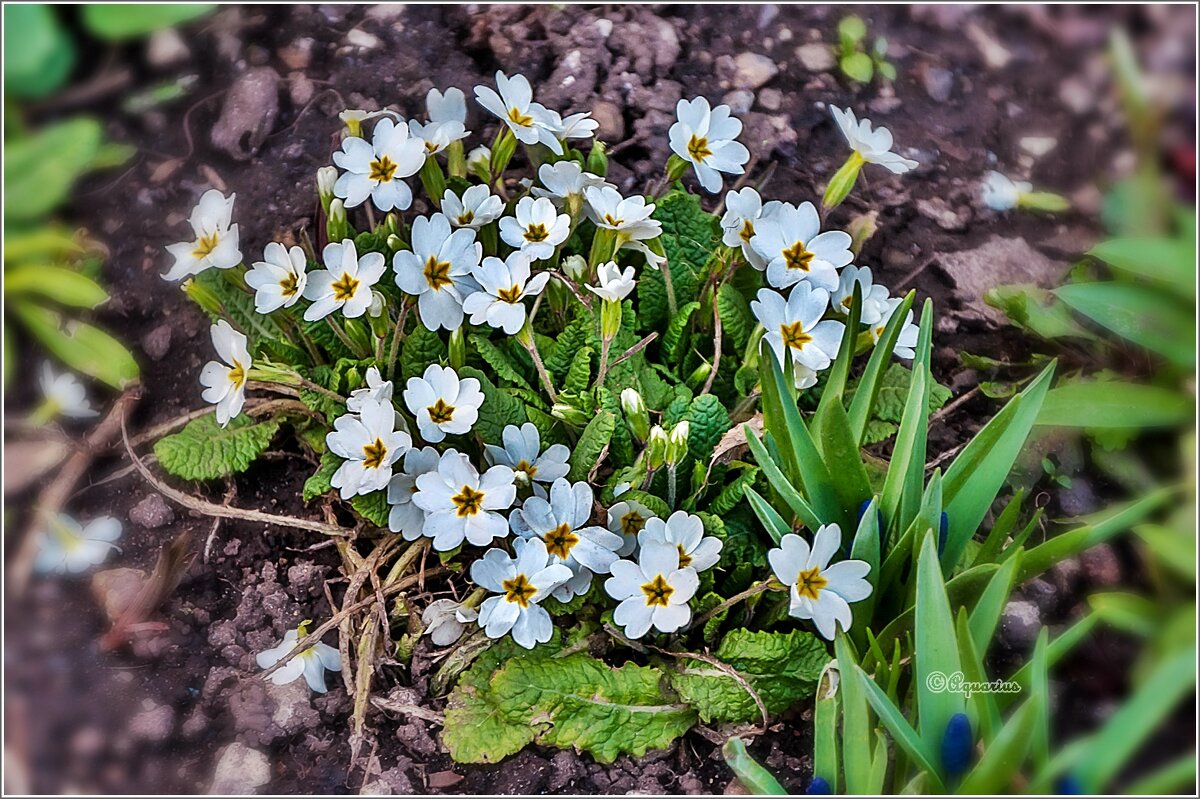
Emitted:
<point x="901" y="731"/>
<point x="912" y="427"/>
<point x="868" y="386"/>
<point x="856" y="722"/>
<point x="936" y="650"/>
<point x="779" y="482"/>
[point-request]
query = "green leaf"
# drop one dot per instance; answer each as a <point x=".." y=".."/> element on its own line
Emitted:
<point x="238" y="305"/>
<point x="736" y="320"/>
<point x="475" y="729"/>
<point x="38" y="52"/>
<point x="893" y="393"/>
<point x="907" y="461"/>
<point x="203" y="450"/>
<point x="856" y="722"/>
<point x="120" y="21"/>
<point x="1112" y="404"/>
<point x="56" y="283"/>
<point x="936" y="649"/>
<point x="858" y="66"/>
<point x="1140" y="314"/>
<point x="674" y="335"/>
<point x="580" y="372"/>
<point x="689" y="232"/>
<point x="1006" y="753"/>
<point x="35" y="180"/>
<point x="578" y="334"/>
<point x="783" y="668"/>
<point x="318" y="484"/>
<point x="1171" y="262"/>
<point x="731" y="493"/>
<point x="499" y="408"/>
<point x="419" y="349"/>
<point x="592" y="443"/>
<point x="1034" y="309"/>
<point x="81" y="346"/>
<point x="851" y="30"/>
<point x="753" y="777"/>
<point x="373" y="507"/>
<point x="498" y="360"/>
<point x="708" y="421"/>
<point x="986" y="613"/>
<point x="901" y="731"/>
<point x="862" y="405"/>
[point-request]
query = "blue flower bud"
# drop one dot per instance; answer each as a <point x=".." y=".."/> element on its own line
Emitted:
<point x="1068" y="785"/>
<point x="818" y="787"/>
<point x="943" y="532"/>
<point x="862" y="509"/>
<point x="957" y="746"/>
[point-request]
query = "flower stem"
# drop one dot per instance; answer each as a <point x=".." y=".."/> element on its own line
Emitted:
<point x="770" y="584"/>
<point x="605" y="344"/>
<point x="345" y="339"/>
<point x="671" y="486"/>
<point x="666" y="273"/>
<point x="397" y="337"/>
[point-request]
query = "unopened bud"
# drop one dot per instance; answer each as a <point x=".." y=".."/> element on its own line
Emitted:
<point x="636" y="415"/>
<point x="656" y="448"/>
<point x="326" y="178"/>
<point x="569" y="414"/>
<point x="597" y="160"/>
<point x="337" y="227"/>
<point x="677" y="443"/>
<point x="202" y="296"/>
<point x="575" y="267"/>
<point x="479" y="163"/>
<point x="458" y="348"/>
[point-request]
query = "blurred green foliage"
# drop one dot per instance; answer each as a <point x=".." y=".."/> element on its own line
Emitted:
<point x="856" y="59"/>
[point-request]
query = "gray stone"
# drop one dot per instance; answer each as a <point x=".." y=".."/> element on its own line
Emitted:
<point x="816" y="57"/>
<point x="1100" y="565"/>
<point x="752" y="70"/>
<point x="612" y="121"/>
<point x="248" y="114"/>
<point x="996" y="262"/>
<point x="152" y="512"/>
<point x="300" y="88"/>
<point x="157" y="343"/>
<point x="153" y="724"/>
<point x="740" y="101"/>
<point x="240" y="770"/>
<point x="293" y="711"/>
<point x="1020" y="624"/>
<point x="166" y="49"/>
<point x="357" y="37"/>
<point x="938" y="82"/>
<point x="770" y="99"/>
<point x="298" y="54"/>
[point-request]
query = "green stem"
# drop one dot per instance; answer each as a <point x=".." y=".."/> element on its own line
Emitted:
<point x="345" y="339"/>
<point x="666" y="273"/>
<point x="397" y="337"/>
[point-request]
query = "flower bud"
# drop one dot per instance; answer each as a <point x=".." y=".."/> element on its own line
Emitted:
<point x="569" y="414"/>
<point x="597" y="160"/>
<point x="479" y="163"/>
<point x="337" y="227"/>
<point x="957" y="745"/>
<point x="636" y="415"/>
<point x="458" y="348"/>
<point x="391" y="224"/>
<point x="656" y="448"/>
<point x="676" y="166"/>
<point x="395" y="243"/>
<point x="677" y="443"/>
<point x="203" y="296"/>
<point x="575" y="267"/>
<point x="326" y="177"/>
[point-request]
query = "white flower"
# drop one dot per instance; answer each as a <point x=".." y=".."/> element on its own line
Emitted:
<point x="370" y="445"/>
<point x="216" y="242"/>
<point x="437" y="270"/>
<point x="312" y="662"/>
<point x="653" y="592"/>
<point x="436" y="136"/>
<point x="224" y="381"/>
<point x="627" y="519"/>
<point x="477" y="207"/>
<point x="564" y="180"/>
<point x="515" y="107"/>
<point x="448" y="106"/>
<point x="376" y="169"/>
<point x="67" y="547"/>
<point x="873" y="146"/>
<point x="358" y="115"/>
<point x="377" y="390"/>
<point x="575" y="126"/>
<point x="743" y="210"/>
<point x="345" y="283"/>
<point x="441" y="403"/>
<point x="909" y="332"/>
<point x="874" y="296"/>
<point x="1002" y="194"/>
<point x="522" y="452"/>
<point x="445" y="619"/>
<point x="536" y="229"/>
<point x="522" y="583"/>
<point x="706" y="139"/>
<point x="279" y="279"/>
<point x="795" y="249"/>
<point x="65" y="395"/>
<point x="794" y="327"/>
<point x="562" y="522"/>
<point x="628" y="215"/>
<point x="505" y="284"/>
<point x="405" y="517"/>
<point x="685" y="532"/>
<point x="615" y="284"/>
<point x="818" y="590"/>
<point x="460" y="504"/>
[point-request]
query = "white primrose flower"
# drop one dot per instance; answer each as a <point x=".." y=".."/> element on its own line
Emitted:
<point x="536" y="229"/>
<point x="459" y="503"/>
<point x="794" y="328"/>
<point x="820" y="591"/>
<point x="685" y="532"/>
<point x="743" y="210"/>
<point x="627" y="519"/>
<point x="1000" y="193"/>
<point x="522" y="452"/>
<point x="477" y="207"/>
<point x="358" y="116"/>
<point x="376" y="390"/>
<point x="312" y="662"/>
<point x="436" y="136"/>
<point x="575" y="126"/>
<point x="445" y="620"/>
<point x="795" y="249"/>
<point x="447" y="106"/>
<point x="906" y="342"/>
<point x="705" y="138"/>
<point x="279" y="278"/>
<point x="369" y="444"/>
<point x="563" y="181"/>
<point x="512" y="102"/>
<point x="874" y="147"/>
<point x="562" y="522"/>
<point x="345" y="283"/>
<point x="224" y="381"/>
<point x="522" y="583"/>
<point x="615" y="284"/>
<point x="505" y="284"/>
<point x="377" y="169"/>
<point x="65" y="395"/>
<point x="629" y="216"/>
<point x="65" y="546"/>
<point x="405" y="517"/>
<point x="437" y="270"/>
<point x="653" y="591"/>
<point x="442" y="403"/>
<point x="874" y="296"/>
<point x="216" y="242"/>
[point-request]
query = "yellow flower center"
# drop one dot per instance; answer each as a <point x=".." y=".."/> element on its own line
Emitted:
<point x="797" y="257"/>
<point x="468" y="501"/>
<point x="632" y="523"/>
<point x="344" y="288"/>
<point x="685" y="559"/>
<point x="561" y="540"/>
<point x="518" y="590"/>
<point x="383" y="170"/>
<point x="440" y="412"/>
<point x="437" y="273"/>
<point x="373" y="454"/>
<point x="794" y="335"/>
<point x="698" y="148"/>
<point x="810" y="582"/>
<point x="658" y="592"/>
<point x="517" y="118"/>
<point x="527" y="467"/>
<point x="536" y="232"/>
<point x="237" y="375"/>
<point x="747" y="231"/>
<point x="512" y="294"/>
<point x="289" y="285"/>
<point x="205" y="245"/>
<point x="466" y="217"/>
<point x="612" y="221"/>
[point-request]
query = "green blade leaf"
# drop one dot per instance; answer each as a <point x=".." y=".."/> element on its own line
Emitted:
<point x="936" y="650"/>
<point x="55" y="283"/>
<point x="1111" y="404"/>
<point x="1143" y="315"/>
<point x="902" y="733"/>
<point x="1005" y="754"/>
<point x="863" y="403"/>
<point x="81" y="346"/>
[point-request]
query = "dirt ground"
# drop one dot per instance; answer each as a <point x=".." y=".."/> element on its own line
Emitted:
<point x="1023" y="90"/>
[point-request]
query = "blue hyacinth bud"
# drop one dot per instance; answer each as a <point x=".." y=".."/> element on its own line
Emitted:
<point x="819" y="787"/>
<point x="943" y="531"/>
<point x="957" y="746"/>
<point x="1068" y="785"/>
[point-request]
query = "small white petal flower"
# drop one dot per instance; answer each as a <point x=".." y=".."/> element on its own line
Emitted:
<point x="64" y="546"/>
<point x="744" y="209"/>
<point x="820" y="591"/>
<point x="370" y="445"/>
<point x="459" y="503"/>
<point x="874" y="296"/>
<point x="627" y="519"/>
<point x="512" y="102"/>
<point x="522" y="452"/>
<point x="437" y="270"/>
<point x="442" y="403"/>
<point x="216" y="242"/>
<point x="504" y="287"/>
<point x="795" y="249"/>
<point x="377" y="390"/>
<point x="615" y="284"/>
<point x="436" y="136"/>
<point x="653" y="591"/>
<point x="1001" y="193"/>
<point x="685" y="532"/>
<point x="477" y="207"/>
<point x="909" y="332"/>
<point x="565" y="180"/>
<point x="874" y="146"/>
<point x="312" y="662"/>
<point x="536" y="229"/>
<point x="405" y="517"/>
<point x="224" y="380"/>
<point x="445" y="620"/>
<point x="522" y="583"/>
<point x="377" y="168"/>
<point x="794" y="327"/>
<point x="345" y="283"/>
<point x="279" y="278"/>
<point x="562" y="522"/>
<point x="65" y="395"/>
<point x="706" y="138"/>
<point x="448" y="106"/>
<point x="629" y="216"/>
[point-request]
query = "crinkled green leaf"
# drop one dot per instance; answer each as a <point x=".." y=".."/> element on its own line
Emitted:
<point x="689" y="232"/>
<point x="578" y="334"/>
<point x="591" y="444"/>
<point x="708" y="421"/>
<point x="620" y="448"/>
<point x="580" y="372"/>
<point x="373" y="507"/>
<point x="319" y="482"/>
<point x="674" y="338"/>
<point x="736" y="319"/>
<point x="419" y="349"/>
<point x="893" y="391"/>
<point x="499" y="408"/>
<point x="203" y="450"/>
<point x="731" y="493"/>
<point x="499" y="361"/>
